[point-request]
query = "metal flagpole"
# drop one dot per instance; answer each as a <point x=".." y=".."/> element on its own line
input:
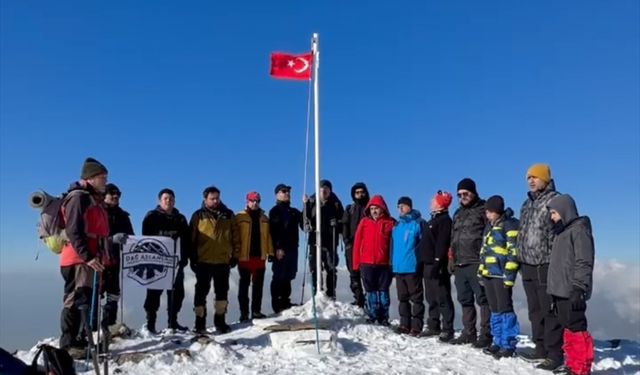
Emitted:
<point x="316" y="127"/>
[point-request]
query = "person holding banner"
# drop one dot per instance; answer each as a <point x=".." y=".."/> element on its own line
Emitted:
<point x="119" y="222"/>
<point x="165" y="220"/>
<point x="254" y="247"/>
<point x="213" y="235"/>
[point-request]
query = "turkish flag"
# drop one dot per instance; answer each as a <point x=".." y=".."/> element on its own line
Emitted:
<point x="295" y="67"/>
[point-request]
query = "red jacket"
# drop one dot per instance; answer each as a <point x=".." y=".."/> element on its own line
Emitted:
<point x="87" y="228"/>
<point x="372" y="242"/>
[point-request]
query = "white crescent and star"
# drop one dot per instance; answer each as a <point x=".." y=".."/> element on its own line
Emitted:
<point x="292" y="63"/>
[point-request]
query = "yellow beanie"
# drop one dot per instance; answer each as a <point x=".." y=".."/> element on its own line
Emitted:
<point x="541" y="171"/>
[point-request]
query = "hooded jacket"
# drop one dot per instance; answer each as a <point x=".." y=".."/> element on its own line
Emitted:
<point x="535" y="236"/>
<point x="353" y="214"/>
<point x="214" y="235"/>
<point x="372" y="243"/>
<point x="498" y="254"/>
<point x="405" y="237"/>
<point x="572" y="255"/>
<point x="331" y="211"/>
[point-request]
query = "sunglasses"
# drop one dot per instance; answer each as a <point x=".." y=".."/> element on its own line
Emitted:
<point x="464" y="194"/>
<point x="283" y="191"/>
<point x="114" y="193"/>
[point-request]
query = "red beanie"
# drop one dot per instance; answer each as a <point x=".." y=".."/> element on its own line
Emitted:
<point x="443" y="199"/>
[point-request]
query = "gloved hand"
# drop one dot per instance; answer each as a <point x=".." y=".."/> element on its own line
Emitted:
<point x="435" y="270"/>
<point x="233" y="262"/>
<point x="193" y="265"/>
<point x="279" y="254"/>
<point x="578" y="302"/>
<point x="270" y="258"/>
<point x="120" y="238"/>
<point x="307" y="228"/>
<point x="451" y="267"/>
<point x="333" y="222"/>
<point x="95" y="265"/>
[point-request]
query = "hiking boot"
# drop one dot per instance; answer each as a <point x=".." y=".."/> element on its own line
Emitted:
<point x="562" y="370"/>
<point x="244" y="318"/>
<point x="504" y="353"/>
<point x="549" y="364"/>
<point x="177" y="326"/>
<point x="219" y="323"/>
<point x="370" y="321"/>
<point x="431" y="332"/>
<point x="463" y="339"/>
<point x="445" y="336"/>
<point x="77" y="353"/>
<point x="384" y="322"/>
<point x="532" y="355"/>
<point x="151" y="323"/>
<point x="415" y="333"/>
<point x="402" y="330"/>
<point x="483" y="342"/>
<point x="257" y="315"/>
<point x="491" y="350"/>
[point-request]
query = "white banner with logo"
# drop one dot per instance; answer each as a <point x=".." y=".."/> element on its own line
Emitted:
<point x="150" y="262"/>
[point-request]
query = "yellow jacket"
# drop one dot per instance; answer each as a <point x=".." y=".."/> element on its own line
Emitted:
<point x="243" y="222"/>
<point x="214" y="235"/>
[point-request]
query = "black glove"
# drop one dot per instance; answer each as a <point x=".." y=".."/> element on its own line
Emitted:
<point x="578" y="301"/>
<point x="194" y="266"/>
<point x="270" y="258"/>
<point x="451" y="267"/>
<point x="333" y="222"/>
<point x="233" y="262"/>
<point x="120" y="238"/>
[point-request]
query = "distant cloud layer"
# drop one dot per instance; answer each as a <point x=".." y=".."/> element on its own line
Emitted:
<point x="30" y="303"/>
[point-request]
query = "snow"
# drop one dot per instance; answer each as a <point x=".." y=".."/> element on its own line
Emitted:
<point x="349" y="345"/>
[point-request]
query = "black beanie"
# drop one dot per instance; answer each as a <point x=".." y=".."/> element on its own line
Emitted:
<point x="112" y="188"/>
<point x="467" y="184"/>
<point x="92" y="168"/>
<point x="326" y="183"/>
<point x="495" y="204"/>
<point x="405" y="200"/>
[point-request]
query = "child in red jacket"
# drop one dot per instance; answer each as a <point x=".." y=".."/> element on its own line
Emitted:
<point x="372" y="245"/>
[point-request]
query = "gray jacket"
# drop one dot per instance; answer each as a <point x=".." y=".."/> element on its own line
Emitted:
<point x="466" y="233"/>
<point x="535" y="236"/>
<point x="572" y="256"/>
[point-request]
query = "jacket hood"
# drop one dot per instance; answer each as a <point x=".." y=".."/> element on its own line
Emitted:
<point x="175" y="211"/>
<point x="356" y="186"/>
<point x="377" y="200"/>
<point x="411" y="216"/>
<point x="565" y="206"/>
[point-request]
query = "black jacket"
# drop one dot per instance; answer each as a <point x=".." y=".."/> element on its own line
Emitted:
<point x="436" y="239"/>
<point x="284" y="223"/>
<point x="466" y="235"/>
<point x="330" y="211"/>
<point x="353" y="214"/>
<point x="119" y="222"/>
<point x="174" y="225"/>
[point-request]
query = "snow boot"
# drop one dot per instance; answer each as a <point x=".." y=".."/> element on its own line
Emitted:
<point x="151" y="322"/>
<point x="200" y="326"/>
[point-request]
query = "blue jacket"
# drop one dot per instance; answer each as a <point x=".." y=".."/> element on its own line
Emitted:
<point x="498" y="254"/>
<point x="405" y="237"/>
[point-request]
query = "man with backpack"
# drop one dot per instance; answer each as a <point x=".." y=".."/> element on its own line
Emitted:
<point x="87" y="231"/>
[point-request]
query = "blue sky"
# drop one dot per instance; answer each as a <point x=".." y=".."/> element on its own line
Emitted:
<point x="414" y="97"/>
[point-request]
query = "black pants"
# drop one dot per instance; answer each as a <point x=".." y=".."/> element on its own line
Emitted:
<point x="437" y="287"/>
<point x="246" y="279"/>
<point x="355" y="281"/>
<point x="573" y="320"/>
<point x="174" y="297"/>
<point x="410" y="301"/>
<point x="219" y="273"/>
<point x="499" y="296"/>
<point x="470" y="291"/>
<point x="546" y="330"/>
<point x="111" y="287"/>
<point x="329" y="261"/>
<point x="78" y="283"/>
<point x="280" y="294"/>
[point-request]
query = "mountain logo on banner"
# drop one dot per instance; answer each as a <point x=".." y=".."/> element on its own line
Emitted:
<point x="148" y="261"/>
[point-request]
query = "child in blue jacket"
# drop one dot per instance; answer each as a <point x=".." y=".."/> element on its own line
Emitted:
<point x="498" y="269"/>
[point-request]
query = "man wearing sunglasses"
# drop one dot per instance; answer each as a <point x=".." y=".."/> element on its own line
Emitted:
<point x="119" y="222"/>
<point x="255" y="246"/>
<point x="466" y="242"/>
<point x="284" y="224"/>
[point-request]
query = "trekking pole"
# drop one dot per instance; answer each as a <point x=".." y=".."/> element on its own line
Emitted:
<point x="304" y="274"/>
<point x="98" y="315"/>
<point x="89" y="328"/>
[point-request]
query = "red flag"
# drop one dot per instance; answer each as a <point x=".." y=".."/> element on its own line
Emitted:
<point x="295" y="67"/>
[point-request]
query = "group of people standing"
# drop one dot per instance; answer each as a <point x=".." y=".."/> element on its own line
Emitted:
<point x="483" y="246"/>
